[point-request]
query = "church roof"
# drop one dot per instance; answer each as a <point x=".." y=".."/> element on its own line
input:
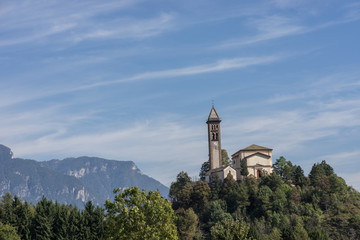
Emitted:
<point x="213" y="116"/>
<point x="255" y="147"/>
<point x="252" y="147"/>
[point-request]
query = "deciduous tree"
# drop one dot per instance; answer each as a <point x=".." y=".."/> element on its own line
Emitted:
<point x="135" y="214"/>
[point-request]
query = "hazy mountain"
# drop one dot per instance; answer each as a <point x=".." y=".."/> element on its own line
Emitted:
<point x="72" y="180"/>
<point x="103" y="175"/>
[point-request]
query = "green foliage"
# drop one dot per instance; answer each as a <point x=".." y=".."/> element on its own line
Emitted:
<point x="284" y="205"/>
<point x="284" y="169"/>
<point x="187" y="224"/>
<point x="215" y="187"/>
<point x="135" y="214"/>
<point x="8" y="232"/>
<point x="180" y="191"/>
<point x="299" y="233"/>
<point x="275" y="234"/>
<point x="228" y="229"/>
<point x="244" y="170"/>
<point x="205" y="167"/>
<point x="41" y="224"/>
<point x="48" y="220"/>
<point x="225" y="160"/>
<point x="318" y="171"/>
<point x="298" y="176"/>
<point x="200" y="195"/>
<point x="215" y="212"/>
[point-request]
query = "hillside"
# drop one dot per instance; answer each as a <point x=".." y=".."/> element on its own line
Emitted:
<point x="70" y="181"/>
<point x="283" y="205"/>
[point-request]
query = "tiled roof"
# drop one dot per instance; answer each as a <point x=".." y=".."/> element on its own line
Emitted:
<point x="255" y="147"/>
<point x="252" y="147"/>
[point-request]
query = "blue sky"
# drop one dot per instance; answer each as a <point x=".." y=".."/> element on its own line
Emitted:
<point x="134" y="80"/>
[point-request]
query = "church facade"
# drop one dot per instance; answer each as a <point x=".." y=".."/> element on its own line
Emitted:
<point x="258" y="158"/>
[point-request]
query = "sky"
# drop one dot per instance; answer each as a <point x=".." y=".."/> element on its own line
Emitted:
<point x="135" y="80"/>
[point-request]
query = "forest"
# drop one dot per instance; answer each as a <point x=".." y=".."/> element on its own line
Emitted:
<point x="285" y="204"/>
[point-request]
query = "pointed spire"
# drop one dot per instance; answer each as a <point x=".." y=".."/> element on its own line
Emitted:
<point x="213" y="116"/>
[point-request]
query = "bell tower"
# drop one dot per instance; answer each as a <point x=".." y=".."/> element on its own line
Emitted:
<point x="214" y="139"/>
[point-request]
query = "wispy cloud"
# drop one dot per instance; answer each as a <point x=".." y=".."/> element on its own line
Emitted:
<point x="75" y="23"/>
<point x="126" y="28"/>
<point x="271" y="27"/>
<point x="221" y="65"/>
<point x="277" y="26"/>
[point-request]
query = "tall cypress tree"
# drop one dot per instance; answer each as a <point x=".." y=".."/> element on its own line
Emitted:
<point x="244" y="170"/>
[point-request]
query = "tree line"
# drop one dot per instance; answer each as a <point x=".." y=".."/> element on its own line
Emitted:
<point x="285" y="204"/>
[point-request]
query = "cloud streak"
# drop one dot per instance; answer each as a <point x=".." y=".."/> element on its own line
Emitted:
<point x="276" y="26"/>
<point x="76" y="23"/>
<point x="219" y="66"/>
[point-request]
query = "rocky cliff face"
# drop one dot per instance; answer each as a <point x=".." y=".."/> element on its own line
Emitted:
<point x="72" y="180"/>
<point x="5" y="153"/>
<point x="103" y="175"/>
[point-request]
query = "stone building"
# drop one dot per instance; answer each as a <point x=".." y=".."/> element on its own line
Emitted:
<point x="258" y="158"/>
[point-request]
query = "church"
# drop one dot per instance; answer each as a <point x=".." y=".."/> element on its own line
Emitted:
<point x="258" y="158"/>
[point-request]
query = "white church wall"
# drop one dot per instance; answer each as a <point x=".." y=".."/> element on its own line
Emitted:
<point x="256" y="159"/>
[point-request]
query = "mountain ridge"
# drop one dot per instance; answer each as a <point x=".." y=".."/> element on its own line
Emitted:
<point x="70" y="180"/>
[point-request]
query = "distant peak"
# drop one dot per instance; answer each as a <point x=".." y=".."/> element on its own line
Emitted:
<point x="5" y="153"/>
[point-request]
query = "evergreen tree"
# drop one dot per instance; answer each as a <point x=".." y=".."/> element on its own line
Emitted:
<point x="215" y="186"/>
<point x="23" y="220"/>
<point x="244" y="170"/>
<point x="318" y="170"/>
<point x="180" y="191"/>
<point x="205" y="167"/>
<point x="93" y="221"/>
<point x="7" y="209"/>
<point x="75" y="225"/>
<point x="200" y="195"/>
<point x="41" y="225"/>
<point x="59" y="224"/>
<point x="298" y="176"/>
